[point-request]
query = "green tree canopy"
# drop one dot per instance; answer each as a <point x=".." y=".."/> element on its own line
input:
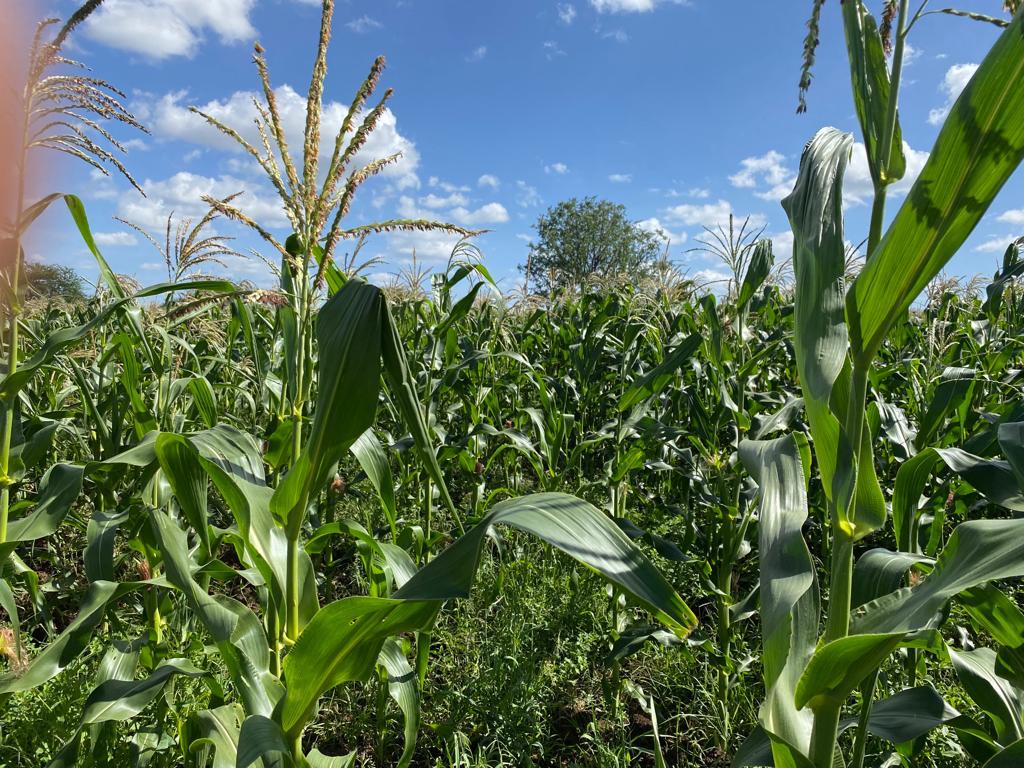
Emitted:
<point x="46" y="281"/>
<point x="578" y="239"/>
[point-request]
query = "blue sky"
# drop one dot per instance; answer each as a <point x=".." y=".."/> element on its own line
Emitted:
<point x="681" y="110"/>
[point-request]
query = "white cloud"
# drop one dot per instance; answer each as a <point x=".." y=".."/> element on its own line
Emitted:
<point x="706" y="215"/>
<point x="429" y="246"/>
<point x="631" y="6"/>
<point x="115" y="238"/>
<point x="488" y="180"/>
<point x="566" y="12"/>
<point x="558" y="168"/>
<point x="170" y="119"/>
<point x="1015" y="217"/>
<point x="363" y="24"/>
<point x="152" y="266"/>
<point x="618" y="35"/>
<point x="620" y="178"/>
<point x="477" y="54"/>
<point x="768" y="170"/>
<point x="654" y="225"/>
<point x="527" y="196"/>
<point x="910" y="54"/>
<point x="994" y="245"/>
<point x="699" y="193"/>
<point x="182" y="193"/>
<point x="436" y="201"/>
<point x="952" y="85"/>
<point x="782" y="245"/>
<point x="857" y="186"/>
<point x="551" y="50"/>
<point x="158" y="29"/>
<point x="490" y="213"/>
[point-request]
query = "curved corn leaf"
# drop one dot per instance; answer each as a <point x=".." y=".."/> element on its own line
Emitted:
<point x="977" y="551"/>
<point x="979" y="147"/>
<point x="349" y="331"/>
<point x="218" y="729"/>
<point x="572" y="525"/>
<point x="789" y="590"/>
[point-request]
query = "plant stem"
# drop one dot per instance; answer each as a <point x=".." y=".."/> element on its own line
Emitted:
<point x="860" y="744"/>
<point x="292" y="588"/>
<point x="12" y="317"/>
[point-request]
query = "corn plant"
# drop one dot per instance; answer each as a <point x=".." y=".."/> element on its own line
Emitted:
<point x="838" y="332"/>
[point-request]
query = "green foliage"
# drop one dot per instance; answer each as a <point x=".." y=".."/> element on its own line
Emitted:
<point x="579" y="240"/>
<point x="53" y="281"/>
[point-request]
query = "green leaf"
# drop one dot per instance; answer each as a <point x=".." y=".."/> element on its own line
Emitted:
<point x="237" y="632"/>
<point x="340" y="644"/>
<point x="374" y="461"/>
<point x="403" y="392"/>
<point x="758" y="269"/>
<point x="999" y="699"/>
<point x="907" y="715"/>
<point x="349" y="330"/>
<point x="56" y="656"/>
<point x="403" y="689"/>
<point x="122" y="699"/>
<point x="661" y="375"/>
<point x="979" y="147"/>
<point x="1011" y="757"/>
<point x="571" y="525"/>
<point x="879" y="572"/>
<point x="977" y="551"/>
<point x="869" y="72"/>
<point x="262" y="737"/>
<point x="789" y="590"/>
<point x="839" y="666"/>
<point x="65" y="337"/>
<point x="58" y="490"/>
<point x="219" y="728"/>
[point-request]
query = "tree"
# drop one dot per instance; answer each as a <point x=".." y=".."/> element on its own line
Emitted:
<point x="48" y="281"/>
<point x="580" y="239"/>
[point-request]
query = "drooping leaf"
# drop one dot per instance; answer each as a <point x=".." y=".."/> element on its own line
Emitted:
<point x="789" y="590"/>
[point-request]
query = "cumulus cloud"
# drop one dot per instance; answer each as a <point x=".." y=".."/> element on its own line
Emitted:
<point x="767" y="173"/>
<point x="490" y="213"/>
<point x="993" y="245"/>
<point x="655" y="226"/>
<point x="566" y="13"/>
<point x="705" y="215"/>
<point x="170" y="119"/>
<point x="557" y="168"/>
<point x="182" y="193"/>
<point x="159" y="29"/>
<point x="488" y="180"/>
<point x="477" y="54"/>
<point x="953" y="83"/>
<point x="1014" y="217"/>
<point x="857" y="186"/>
<point x="620" y="178"/>
<point x="115" y="238"/>
<point x="436" y="201"/>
